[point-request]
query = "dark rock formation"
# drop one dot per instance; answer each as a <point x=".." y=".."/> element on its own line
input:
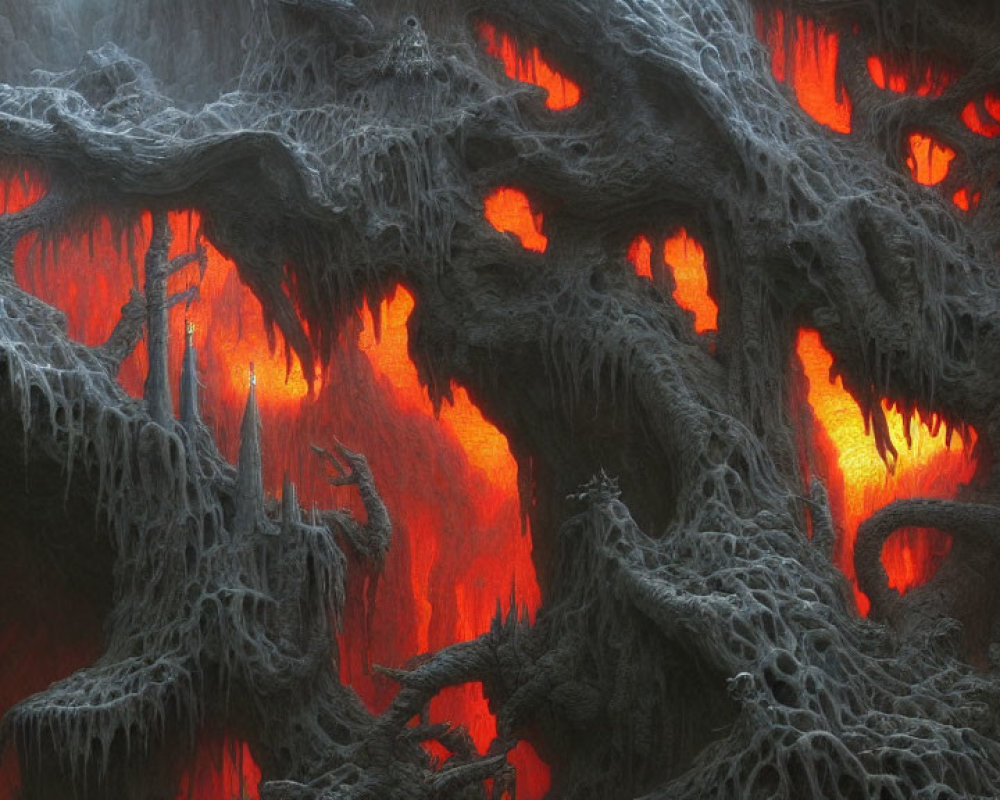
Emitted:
<point x="694" y="641"/>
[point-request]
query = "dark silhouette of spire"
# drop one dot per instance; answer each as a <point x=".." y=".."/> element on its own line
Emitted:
<point x="249" y="475"/>
<point x="156" y="392"/>
<point x="290" y="512"/>
<point x="159" y="268"/>
<point x="189" y="381"/>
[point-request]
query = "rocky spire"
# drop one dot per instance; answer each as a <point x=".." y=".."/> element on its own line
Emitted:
<point x="249" y="475"/>
<point x="157" y="389"/>
<point x="189" y="380"/>
<point x="290" y="512"/>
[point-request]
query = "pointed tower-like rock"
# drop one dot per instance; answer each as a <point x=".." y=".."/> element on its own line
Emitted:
<point x="291" y="514"/>
<point x="156" y="390"/>
<point x="249" y="475"/>
<point x="189" y="381"/>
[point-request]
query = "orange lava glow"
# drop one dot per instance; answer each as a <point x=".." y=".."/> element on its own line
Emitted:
<point x="450" y="482"/>
<point x="983" y="117"/>
<point x="484" y="446"/>
<point x="928" y="160"/>
<point x="640" y="254"/>
<point x="685" y="257"/>
<point x="900" y="76"/>
<point x="221" y="772"/>
<point x="529" y="66"/>
<point x="807" y="54"/>
<point x="966" y="200"/>
<point x="859" y="482"/>
<point x="509" y="211"/>
<point x="20" y="189"/>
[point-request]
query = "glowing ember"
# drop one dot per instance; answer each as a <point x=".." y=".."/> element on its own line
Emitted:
<point x="529" y="66"/>
<point x="509" y="211"/>
<point x="685" y="257"/>
<point x="809" y="61"/>
<point x="859" y="481"/>
<point x="928" y="159"/>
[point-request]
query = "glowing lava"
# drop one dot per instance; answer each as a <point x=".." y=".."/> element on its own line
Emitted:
<point x="509" y="211"/>
<point x="928" y="159"/>
<point x="450" y="484"/>
<point x="859" y="482"/>
<point x="807" y="56"/>
<point x="529" y="66"/>
<point x="983" y="117"/>
<point x="20" y="189"/>
<point x="899" y="75"/>
<point x="685" y="257"/>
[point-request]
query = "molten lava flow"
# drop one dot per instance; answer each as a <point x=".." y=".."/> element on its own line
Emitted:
<point x="450" y="484"/>
<point x="484" y="446"/>
<point x="965" y="199"/>
<point x="529" y="66"/>
<point x="859" y="482"/>
<point x="900" y="75"/>
<point x="223" y="771"/>
<point x="928" y="159"/>
<point x="508" y="568"/>
<point x="685" y="257"/>
<point x="640" y="253"/>
<point x="20" y="189"/>
<point x="509" y="211"/>
<point x="807" y="55"/>
<point x="983" y="117"/>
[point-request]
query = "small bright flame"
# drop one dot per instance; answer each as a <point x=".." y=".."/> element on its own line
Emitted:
<point x="509" y="211"/>
<point x="529" y="67"/>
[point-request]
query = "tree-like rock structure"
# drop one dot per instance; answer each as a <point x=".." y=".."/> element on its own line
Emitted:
<point x="695" y="639"/>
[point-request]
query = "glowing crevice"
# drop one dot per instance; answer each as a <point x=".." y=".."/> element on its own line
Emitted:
<point x="509" y="211"/>
<point x="684" y="256"/>
<point x="450" y="482"/>
<point x="806" y="55"/>
<point x="529" y="66"/>
<point x="901" y="76"/>
<point x="934" y="464"/>
<point x="928" y="159"/>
